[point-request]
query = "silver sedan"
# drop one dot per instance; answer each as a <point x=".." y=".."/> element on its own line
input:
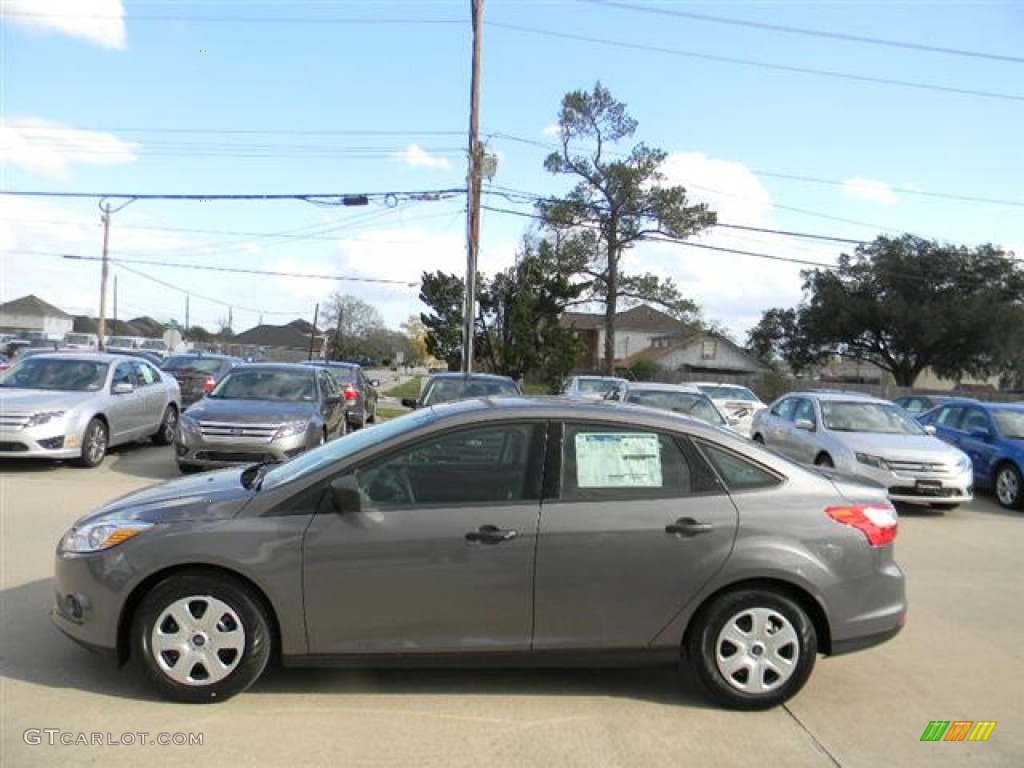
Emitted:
<point x="77" y="405"/>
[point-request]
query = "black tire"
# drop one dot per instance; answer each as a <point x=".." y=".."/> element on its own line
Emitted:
<point x="168" y="428"/>
<point x="944" y="507"/>
<point x="1008" y="486"/>
<point x="824" y="460"/>
<point x="188" y="469"/>
<point x="240" y="637"/>
<point x="758" y="439"/>
<point x="768" y="681"/>
<point x="95" y="441"/>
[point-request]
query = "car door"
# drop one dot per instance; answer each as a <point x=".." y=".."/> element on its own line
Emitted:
<point x="332" y="412"/>
<point x="804" y="444"/>
<point x="440" y="558"/>
<point x="978" y="439"/>
<point x="947" y="421"/>
<point x="778" y="424"/>
<point x="154" y="396"/>
<point x="636" y="526"/>
<point x="126" y="412"/>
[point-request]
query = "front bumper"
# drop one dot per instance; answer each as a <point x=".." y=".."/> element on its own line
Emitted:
<point x="90" y="590"/>
<point x="53" y="440"/>
<point x="199" y="451"/>
<point x="910" y="487"/>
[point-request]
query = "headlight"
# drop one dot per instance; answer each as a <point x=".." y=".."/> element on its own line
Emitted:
<point x="290" y="429"/>
<point x="44" y="417"/>
<point x="100" y="536"/>
<point x="190" y="425"/>
<point x="871" y="461"/>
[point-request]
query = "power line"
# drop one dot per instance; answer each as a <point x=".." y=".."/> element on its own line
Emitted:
<point x="760" y="64"/>
<point x="235" y="19"/>
<point x="795" y="177"/>
<point x="329" y="199"/>
<point x="810" y="32"/>
<point x="260" y="131"/>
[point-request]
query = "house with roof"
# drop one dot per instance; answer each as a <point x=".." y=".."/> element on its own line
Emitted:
<point x="705" y="354"/>
<point x="279" y="343"/>
<point x="635" y="329"/>
<point x="30" y="313"/>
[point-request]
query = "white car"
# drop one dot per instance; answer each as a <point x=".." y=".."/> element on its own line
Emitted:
<point x="738" y="403"/>
<point x="872" y="439"/>
<point x="595" y="387"/>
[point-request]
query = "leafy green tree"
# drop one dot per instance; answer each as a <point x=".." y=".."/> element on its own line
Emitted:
<point x="646" y="370"/>
<point x="906" y="304"/>
<point x="778" y="337"/>
<point x="199" y="334"/>
<point x="617" y="202"/>
<point x="349" y="323"/>
<point x="443" y="293"/>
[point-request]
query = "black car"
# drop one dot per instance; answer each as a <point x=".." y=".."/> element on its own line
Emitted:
<point x="198" y="374"/>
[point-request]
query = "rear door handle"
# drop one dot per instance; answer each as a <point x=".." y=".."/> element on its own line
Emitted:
<point x="491" y="534"/>
<point x="688" y="527"/>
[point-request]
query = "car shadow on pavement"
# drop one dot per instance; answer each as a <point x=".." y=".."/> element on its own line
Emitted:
<point x="138" y="459"/>
<point x="34" y="651"/>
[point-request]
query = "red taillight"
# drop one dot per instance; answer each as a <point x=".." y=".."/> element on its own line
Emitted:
<point x="350" y="392"/>
<point x="209" y="384"/>
<point x="876" y="521"/>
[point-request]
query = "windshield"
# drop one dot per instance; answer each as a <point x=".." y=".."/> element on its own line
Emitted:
<point x="78" y="338"/>
<point x="681" y="402"/>
<point x="61" y="375"/>
<point x="447" y="390"/>
<point x="1010" y="423"/>
<point x="877" y="418"/>
<point x="726" y="392"/>
<point x="338" y="450"/>
<point x="121" y="341"/>
<point x="154" y="344"/>
<point x="288" y="386"/>
<point x="596" y="386"/>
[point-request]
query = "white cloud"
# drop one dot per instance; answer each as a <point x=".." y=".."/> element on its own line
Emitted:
<point x="97" y="21"/>
<point x="729" y="287"/>
<point x="416" y="157"/>
<point x="49" y="149"/>
<point x="552" y="131"/>
<point x="869" y="189"/>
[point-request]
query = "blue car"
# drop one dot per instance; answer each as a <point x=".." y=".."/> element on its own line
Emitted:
<point x="992" y="435"/>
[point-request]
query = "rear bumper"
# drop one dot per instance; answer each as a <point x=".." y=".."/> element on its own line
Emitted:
<point x="839" y="647"/>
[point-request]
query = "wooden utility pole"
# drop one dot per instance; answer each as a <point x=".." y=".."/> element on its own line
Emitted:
<point x="101" y="330"/>
<point x="312" y="333"/>
<point x="473" y="190"/>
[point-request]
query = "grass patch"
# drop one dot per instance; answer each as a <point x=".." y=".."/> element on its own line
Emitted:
<point x="385" y="414"/>
<point x="536" y="389"/>
<point x="410" y="388"/>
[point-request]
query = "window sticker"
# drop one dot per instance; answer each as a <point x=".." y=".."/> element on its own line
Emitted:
<point x="618" y="460"/>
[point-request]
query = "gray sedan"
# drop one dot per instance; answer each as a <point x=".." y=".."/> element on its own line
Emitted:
<point x="75" y="405"/>
<point x="517" y="531"/>
<point x="258" y="413"/>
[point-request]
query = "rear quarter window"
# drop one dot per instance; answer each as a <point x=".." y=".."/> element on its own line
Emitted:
<point x="738" y="473"/>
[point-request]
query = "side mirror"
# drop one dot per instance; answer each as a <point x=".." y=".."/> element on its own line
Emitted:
<point x="929" y="429"/>
<point x="122" y="388"/>
<point x="345" y="496"/>
<point x="409" y="402"/>
<point x="805" y="424"/>
<point x="374" y="383"/>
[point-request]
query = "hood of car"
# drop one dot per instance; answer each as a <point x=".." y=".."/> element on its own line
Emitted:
<point x="210" y="496"/>
<point x="902" y="447"/>
<point x="251" y="411"/>
<point x="14" y="400"/>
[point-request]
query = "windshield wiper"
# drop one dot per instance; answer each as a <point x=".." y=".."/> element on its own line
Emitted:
<point x="252" y="476"/>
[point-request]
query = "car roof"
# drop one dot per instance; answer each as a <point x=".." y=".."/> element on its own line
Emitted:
<point x="331" y="364"/>
<point x="1014" y="406"/>
<point x="829" y="395"/>
<point x="690" y="389"/>
<point x="279" y="367"/>
<point x="471" y="376"/>
<point x="206" y="356"/>
<point x="84" y="356"/>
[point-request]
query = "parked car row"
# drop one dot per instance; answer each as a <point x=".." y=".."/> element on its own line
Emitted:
<point x="217" y="411"/>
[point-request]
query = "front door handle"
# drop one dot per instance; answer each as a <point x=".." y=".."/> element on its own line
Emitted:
<point x="491" y="534"/>
<point x="688" y="527"/>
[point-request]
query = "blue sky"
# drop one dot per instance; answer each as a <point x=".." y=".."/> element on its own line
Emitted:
<point x="345" y="97"/>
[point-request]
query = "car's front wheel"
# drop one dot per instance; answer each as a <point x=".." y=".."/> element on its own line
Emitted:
<point x="752" y="648"/>
<point x="201" y="637"/>
<point x="1009" y="486"/>
<point x="168" y="429"/>
<point x="95" y="441"/>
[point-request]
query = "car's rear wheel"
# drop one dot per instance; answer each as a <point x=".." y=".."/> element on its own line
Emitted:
<point x="95" y="441"/>
<point x="201" y="637"/>
<point x="1009" y="486"/>
<point x="168" y="427"/>
<point x="752" y="648"/>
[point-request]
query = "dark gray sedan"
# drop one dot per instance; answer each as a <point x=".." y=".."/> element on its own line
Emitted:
<point x="259" y="413"/>
<point x="515" y="531"/>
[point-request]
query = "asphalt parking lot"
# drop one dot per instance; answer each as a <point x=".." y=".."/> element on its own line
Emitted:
<point x="959" y="658"/>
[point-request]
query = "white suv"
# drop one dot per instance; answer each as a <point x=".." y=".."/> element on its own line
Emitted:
<point x="739" y="404"/>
